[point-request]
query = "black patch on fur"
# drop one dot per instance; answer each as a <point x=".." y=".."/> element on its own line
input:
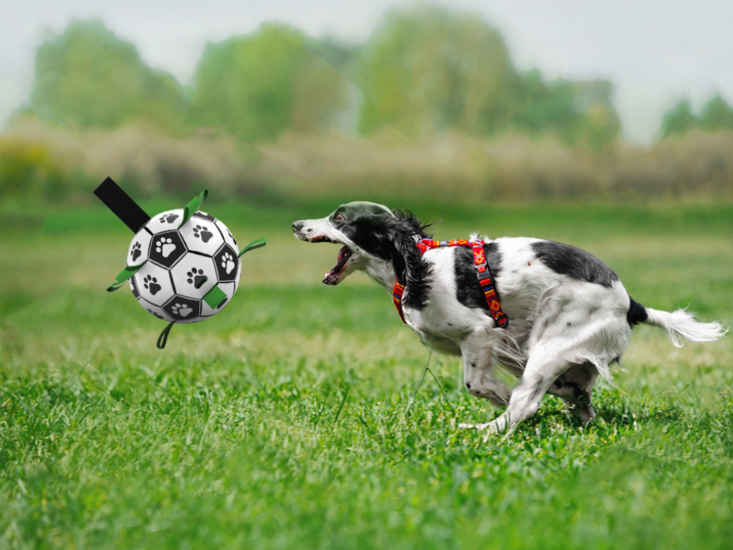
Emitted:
<point x="636" y="314"/>
<point x="366" y="225"/>
<point x="574" y="262"/>
<point x="468" y="289"/>
<point x="391" y="237"/>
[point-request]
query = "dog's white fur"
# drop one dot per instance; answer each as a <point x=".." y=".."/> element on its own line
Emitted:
<point x="563" y="331"/>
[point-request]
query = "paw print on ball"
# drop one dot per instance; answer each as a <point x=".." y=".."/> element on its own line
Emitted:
<point x="202" y="233"/>
<point x="183" y="309"/>
<point x="193" y="276"/>
<point x="166" y="248"/>
<point x="227" y="263"/>
<point x="151" y="284"/>
<point x="164" y="222"/>
<point x="136" y="251"/>
<point x="196" y="277"/>
<point x="139" y="248"/>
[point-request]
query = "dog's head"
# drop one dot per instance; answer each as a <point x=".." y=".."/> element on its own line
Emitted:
<point x="374" y="238"/>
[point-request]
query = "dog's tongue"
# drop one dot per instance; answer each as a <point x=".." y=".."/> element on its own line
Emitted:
<point x="332" y="277"/>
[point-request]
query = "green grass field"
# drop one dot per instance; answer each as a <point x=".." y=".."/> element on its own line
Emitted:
<point x="291" y="420"/>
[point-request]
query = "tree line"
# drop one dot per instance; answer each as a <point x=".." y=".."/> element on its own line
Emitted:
<point x="425" y="70"/>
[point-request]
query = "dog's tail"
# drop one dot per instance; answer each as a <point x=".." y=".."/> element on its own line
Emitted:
<point x="680" y="325"/>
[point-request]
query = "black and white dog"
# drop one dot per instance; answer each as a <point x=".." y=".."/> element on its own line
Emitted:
<point x="569" y="315"/>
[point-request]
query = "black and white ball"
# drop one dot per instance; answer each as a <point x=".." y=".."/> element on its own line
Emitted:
<point x="183" y="265"/>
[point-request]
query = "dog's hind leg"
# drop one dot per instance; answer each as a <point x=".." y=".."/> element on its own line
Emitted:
<point x="574" y="386"/>
<point x="546" y="363"/>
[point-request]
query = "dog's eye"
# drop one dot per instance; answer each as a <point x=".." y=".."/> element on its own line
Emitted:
<point x="339" y="218"/>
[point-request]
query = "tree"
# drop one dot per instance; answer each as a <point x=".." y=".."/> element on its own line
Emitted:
<point x="600" y="124"/>
<point x="257" y="86"/>
<point x="548" y="108"/>
<point x="716" y="115"/>
<point x="428" y="69"/>
<point x="678" y="120"/>
<point x="91" y="78"/>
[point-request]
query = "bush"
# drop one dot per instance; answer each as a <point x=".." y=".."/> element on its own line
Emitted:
<point x="38" y="161"/>
<point x="34" y="170"/>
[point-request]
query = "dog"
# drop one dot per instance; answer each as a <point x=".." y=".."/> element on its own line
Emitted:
<point x="569" y="316"/>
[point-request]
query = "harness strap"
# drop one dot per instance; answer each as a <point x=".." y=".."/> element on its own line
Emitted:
<point x="397" y="292"/>
<point x="483" y="273"/>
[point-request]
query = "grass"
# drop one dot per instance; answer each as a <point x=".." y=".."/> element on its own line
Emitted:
<point x="291" y="420"/>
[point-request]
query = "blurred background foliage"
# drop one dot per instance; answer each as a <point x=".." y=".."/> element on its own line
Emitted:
<point x="257" y="87"/>
<point x="715" y="115"/>
<point x="432" y="98"/>
<point x="92" y="79"/>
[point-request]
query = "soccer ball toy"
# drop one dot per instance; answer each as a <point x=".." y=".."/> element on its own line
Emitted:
<point x="183" y="265"/>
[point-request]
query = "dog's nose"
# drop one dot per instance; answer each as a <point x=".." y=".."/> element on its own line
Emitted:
<point x="297" y="226"/>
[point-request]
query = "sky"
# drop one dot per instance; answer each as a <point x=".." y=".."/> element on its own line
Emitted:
<point x="655" y="52"/>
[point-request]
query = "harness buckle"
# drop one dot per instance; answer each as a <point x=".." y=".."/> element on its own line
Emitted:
<point x="482" y="272"/>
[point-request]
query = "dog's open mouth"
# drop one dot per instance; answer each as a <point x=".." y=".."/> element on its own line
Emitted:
<point x="333" y="277"/>
<point x="320" y="239"/>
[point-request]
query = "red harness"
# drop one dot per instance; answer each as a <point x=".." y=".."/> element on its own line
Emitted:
<point x="483" y="272"/>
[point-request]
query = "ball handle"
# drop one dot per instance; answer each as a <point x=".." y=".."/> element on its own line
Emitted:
<point x="259" y="243"/>
<point x="125" y="274"/>
<point x="121" y="205"/>
<point x="163" y="338"/>
<point x="196" y="203"/>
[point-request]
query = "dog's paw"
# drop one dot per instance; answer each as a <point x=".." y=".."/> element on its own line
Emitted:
<point x="496" y="427"/>
<point x="488" y="429"/>
<point x="479" y="427"/>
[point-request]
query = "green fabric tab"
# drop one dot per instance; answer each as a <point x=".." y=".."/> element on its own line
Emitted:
<point x="196" y="203"/>
<point x="215" y="297"/>
<point x="163" y="338"/>
<point x="259" y="243"/>
<point x="125" y="274"/>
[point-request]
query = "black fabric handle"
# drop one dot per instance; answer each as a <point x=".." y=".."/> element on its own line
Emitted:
<point x="163" y="338"/>
<point x="121" y="205"/>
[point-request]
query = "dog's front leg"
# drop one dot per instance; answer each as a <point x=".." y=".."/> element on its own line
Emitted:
<point x="479" y="371"/>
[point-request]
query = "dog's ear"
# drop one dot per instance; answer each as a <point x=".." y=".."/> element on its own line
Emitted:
<point x="403" y="230"/>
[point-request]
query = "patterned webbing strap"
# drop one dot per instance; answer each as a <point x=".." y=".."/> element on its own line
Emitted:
<point x="397" y="292"/>
<point x="483" y="272"/>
